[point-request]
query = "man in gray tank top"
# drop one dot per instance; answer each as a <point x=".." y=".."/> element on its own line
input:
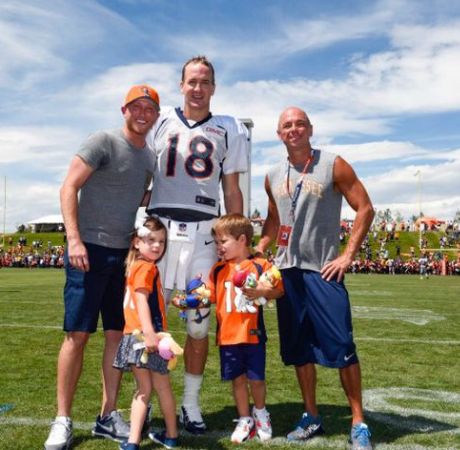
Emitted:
<point x="305" y="196"/>
<point x="111" y="172"/>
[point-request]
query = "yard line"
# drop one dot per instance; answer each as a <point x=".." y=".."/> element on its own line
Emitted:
<point x="408" y="341"/>
<point x="211" y="333"/>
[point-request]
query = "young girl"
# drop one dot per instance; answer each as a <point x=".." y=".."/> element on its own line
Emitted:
<point x="144" y="311"/>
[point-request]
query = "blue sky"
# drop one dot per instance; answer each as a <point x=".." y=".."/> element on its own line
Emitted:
<point x="379" y="79"/>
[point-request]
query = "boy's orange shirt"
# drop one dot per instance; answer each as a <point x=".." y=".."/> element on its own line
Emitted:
<point x="141" y="276"/>
<point x="235" y="327"/>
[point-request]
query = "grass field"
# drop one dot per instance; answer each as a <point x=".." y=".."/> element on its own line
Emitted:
<point x="408" y="336"/>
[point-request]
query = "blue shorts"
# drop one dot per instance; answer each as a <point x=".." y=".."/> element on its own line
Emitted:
<point x="314" y="321"/>
<point x="101" y="290"/>
<point x="239" y="359"/>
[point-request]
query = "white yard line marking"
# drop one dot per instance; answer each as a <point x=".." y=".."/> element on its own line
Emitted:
<point x="211" y="333"/>
<point x="414" y="316"/>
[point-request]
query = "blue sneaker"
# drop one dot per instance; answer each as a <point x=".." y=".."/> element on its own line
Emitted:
<point x="308" y="427"/>
<point x="192" y="420"/>
<point x="360" y="438"/>
<point x="160" y="438"/>
<point x="128" y="446"/>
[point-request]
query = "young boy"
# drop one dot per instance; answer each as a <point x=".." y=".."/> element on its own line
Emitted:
<point x="240" y="325"/>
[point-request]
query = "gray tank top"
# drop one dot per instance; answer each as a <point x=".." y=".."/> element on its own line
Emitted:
<point x="314" y="238"/>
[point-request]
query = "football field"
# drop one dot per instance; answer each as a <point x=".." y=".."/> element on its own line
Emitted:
<point x="407" y="331"/>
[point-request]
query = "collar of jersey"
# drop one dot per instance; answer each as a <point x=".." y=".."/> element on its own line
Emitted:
<point x="181" y="116"/>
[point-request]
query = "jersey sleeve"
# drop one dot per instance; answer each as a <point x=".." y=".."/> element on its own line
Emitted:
<point x="143" y="277"/>
<point x="237" y="157"/>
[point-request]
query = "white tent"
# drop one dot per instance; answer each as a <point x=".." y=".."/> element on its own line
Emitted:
<point x="53" y="222"/>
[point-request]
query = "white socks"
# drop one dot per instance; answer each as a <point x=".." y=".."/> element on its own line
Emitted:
<point x="192" y="386"/>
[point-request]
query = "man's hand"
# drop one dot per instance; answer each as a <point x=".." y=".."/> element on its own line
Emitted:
<point x="336" y="268"/>
<point x="78" y="255"/>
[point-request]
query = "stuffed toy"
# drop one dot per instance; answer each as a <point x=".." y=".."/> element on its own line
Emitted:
<point x="268" y="279"/>
<point x="168" y="348"/>
<point x="196" y="295"/>
<point x="245" y="278"/>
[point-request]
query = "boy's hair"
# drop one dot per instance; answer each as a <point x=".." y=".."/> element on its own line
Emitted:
<point x="149" y="224"/>
<point x="200" y="59"/>
<point x="235" y="225"/>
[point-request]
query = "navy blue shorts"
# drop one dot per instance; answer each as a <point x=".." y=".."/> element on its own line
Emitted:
<point x="314" y="321"/>
<point x="239" y="359"/>
<point x="101" y="290"/>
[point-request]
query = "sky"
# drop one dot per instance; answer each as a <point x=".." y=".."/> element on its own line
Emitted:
<point x="380" y="81"/>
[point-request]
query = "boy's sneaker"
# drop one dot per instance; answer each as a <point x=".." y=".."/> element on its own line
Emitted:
<point x="128" y="446"/>
<point x="111" y="427"/>
<point x="308" y="427"/>
<point x="60" y="436"/>
<point x="245" y="429"/>
<point x="192" y="420"/>
<point x="263" y="424"/>
<point x="160" y="438"/>
<point x="360" y="438"/>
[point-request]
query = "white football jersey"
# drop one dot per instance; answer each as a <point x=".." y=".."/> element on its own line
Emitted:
<point x="191" y="159"/>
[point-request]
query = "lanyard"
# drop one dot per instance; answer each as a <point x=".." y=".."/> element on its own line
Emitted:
<point x="298" y="186"/>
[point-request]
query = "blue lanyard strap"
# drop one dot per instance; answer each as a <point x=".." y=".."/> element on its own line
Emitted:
<point x="298" y="187"/>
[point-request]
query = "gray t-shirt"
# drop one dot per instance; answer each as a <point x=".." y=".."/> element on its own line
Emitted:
<point x="111" y="196"/>
<point x="314" y="239"/>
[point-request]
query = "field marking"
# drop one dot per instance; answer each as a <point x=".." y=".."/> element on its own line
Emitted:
<point x="414" y="316"/>
<point x="373" y="293"/>
<point x="212" y="333"/>
<point x="408" y="341"/>
<point x="378" y="405"/>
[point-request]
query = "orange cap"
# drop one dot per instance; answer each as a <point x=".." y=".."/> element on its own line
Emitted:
<point x="142" y="91"/>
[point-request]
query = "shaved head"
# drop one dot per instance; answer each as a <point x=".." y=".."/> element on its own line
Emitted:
<point x="288" y="112"/>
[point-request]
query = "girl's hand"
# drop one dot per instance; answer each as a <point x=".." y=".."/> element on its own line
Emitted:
<point x="151" y="342"/>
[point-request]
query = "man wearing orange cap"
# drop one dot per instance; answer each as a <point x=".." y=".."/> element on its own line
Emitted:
<point x="111" y="172"/>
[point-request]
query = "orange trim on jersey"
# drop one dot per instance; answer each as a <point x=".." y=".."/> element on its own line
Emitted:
<point x="141" y="276"/>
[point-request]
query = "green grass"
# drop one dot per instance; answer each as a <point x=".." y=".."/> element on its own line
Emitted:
<point x="410" y="371"/>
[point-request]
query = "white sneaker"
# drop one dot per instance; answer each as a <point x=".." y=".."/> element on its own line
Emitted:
<point x="244" y="430"/>
<point x="263" y="424"/>
<point x="60" y="436"/>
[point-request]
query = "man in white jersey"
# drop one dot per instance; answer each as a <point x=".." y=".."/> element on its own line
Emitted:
<point x="195" y="152"/>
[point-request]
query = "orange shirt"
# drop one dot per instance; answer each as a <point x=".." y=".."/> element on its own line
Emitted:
<point x="235" y="327"/>
<point x="142" y="275"/>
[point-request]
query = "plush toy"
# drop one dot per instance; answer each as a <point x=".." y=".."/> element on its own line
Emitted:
<point x="245" y="278"/>
<point x="196" y="295"/>
<point x="168" y="348"/>
<point x="268" y="279"/>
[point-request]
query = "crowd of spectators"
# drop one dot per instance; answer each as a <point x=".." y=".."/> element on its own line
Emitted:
<point x="31" y="256"/>
<point x="379" y="253"/>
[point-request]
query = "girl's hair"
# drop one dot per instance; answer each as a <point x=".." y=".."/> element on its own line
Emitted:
<point x="150" y="224"/>
<point x="235" y="225"/>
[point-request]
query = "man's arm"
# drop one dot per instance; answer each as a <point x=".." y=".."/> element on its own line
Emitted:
<point x="233" y="198"/>
<point x="346" y="182"/>
<point x="271" y="224"/>
<point x="76" y="177"/>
